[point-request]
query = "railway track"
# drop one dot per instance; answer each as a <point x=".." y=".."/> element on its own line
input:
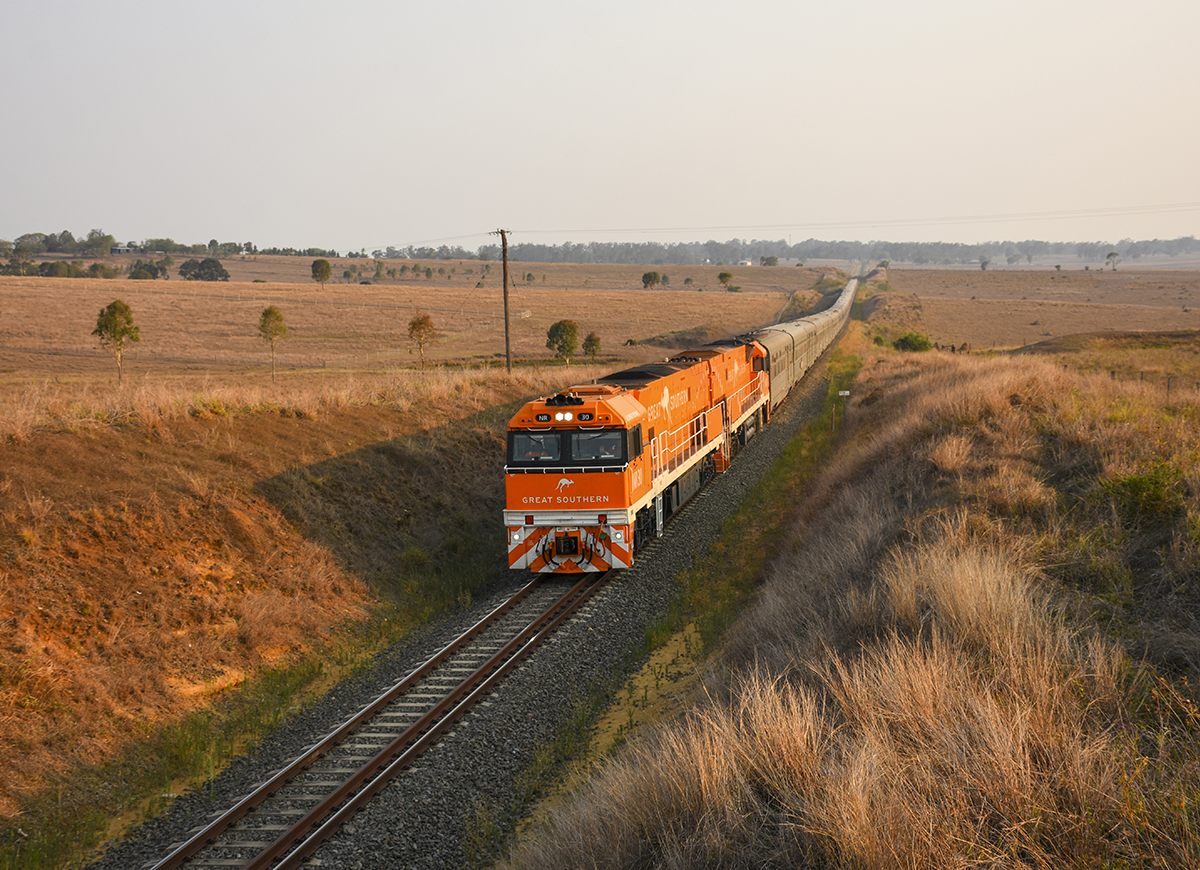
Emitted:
<point x="286" y="819"/>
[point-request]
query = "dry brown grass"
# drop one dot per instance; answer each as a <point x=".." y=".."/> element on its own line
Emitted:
<point x="974" y="655"/>
<point x="154" y="402"/>
<point x="1005" y="309"/>
<point x="157" y="545"/>
<point x="202" y="327"/>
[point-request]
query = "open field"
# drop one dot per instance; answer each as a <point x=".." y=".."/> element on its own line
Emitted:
<point x="1008" y="309"/>
<point x="46" y="323"/>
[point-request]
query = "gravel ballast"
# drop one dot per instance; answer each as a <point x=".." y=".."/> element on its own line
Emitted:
<point x="420" y="820"/>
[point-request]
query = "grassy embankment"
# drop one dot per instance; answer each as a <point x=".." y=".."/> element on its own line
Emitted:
<point x="179" y="567"/>
<point x="975" y="651"/>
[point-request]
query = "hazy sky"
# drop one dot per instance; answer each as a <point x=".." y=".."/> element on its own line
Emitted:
<point x="365" y="123"/>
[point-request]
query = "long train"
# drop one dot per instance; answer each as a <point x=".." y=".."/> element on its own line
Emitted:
<point x="594" y="472"/>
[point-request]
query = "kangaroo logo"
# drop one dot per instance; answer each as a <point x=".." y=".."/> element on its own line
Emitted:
<point x="563" y="483"/>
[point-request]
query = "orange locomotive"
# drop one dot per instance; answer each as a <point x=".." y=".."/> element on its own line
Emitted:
<point x="595" y="471"/>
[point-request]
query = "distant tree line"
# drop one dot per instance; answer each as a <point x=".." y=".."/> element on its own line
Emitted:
<point x="771" y="252"/>
<point x="443" y="252"/>
<point x="764" y="252"/>
<point x="98" y="243"/>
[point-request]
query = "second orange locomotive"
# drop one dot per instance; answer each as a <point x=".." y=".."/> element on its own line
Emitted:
<point x="594" y="472"/>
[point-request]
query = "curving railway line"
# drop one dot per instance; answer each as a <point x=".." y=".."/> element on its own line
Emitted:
<point x="286" y="819"/>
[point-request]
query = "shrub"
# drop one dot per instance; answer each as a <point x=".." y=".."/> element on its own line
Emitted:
<point x="913" y="341"/>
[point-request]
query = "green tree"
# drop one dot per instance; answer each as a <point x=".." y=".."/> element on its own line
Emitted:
<point x="98" y="243"/>
<point x="322" y="271"/>
<point x="34" y="243"/>
<point x="116" y="330"/>
<point x="563" y="339"/>
<point x="99" y="270"/>
<point x="209" y="269"/>
<point x="421" y="332"/>
<point x="20" y="260"/>
<point x="725" y="278"/>
<point x="650" y="280"/>
<point x="1112" y="259"/>
<point x="591" y="345"/>
<point x="59" y="269"/>
<point x="271" y="328"/>
<point x="146" y="269"/>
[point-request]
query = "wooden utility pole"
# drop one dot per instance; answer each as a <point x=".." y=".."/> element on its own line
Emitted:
<point x="507" y="344"/>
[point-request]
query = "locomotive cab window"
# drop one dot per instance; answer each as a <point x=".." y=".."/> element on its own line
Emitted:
<point x="534" y="448"/>
<point x="603" y="447"/>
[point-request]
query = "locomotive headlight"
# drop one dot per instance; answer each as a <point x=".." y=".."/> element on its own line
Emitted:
<point x="558" y="416"/>
<point x="516" y="537"/>
<point x="618" y="536"/>
<point x="567" y="415"/>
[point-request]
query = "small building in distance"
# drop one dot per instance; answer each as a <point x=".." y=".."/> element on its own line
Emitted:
<point x="120" y="249"/>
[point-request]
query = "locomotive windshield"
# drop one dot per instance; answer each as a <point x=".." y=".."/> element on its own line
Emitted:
<point x="535" y="447"/>
<point x="603" y="446"/>
<point x="560" y="449"/>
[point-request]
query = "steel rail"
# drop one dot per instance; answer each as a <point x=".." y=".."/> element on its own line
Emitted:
<point x="253" y="800"/>
<point x="421" y="735"/>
